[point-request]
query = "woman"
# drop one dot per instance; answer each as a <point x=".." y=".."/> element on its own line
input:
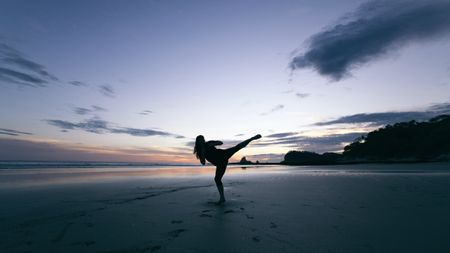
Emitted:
<point x="219" y="157"/>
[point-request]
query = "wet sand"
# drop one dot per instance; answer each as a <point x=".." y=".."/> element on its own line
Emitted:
<point x="358" y="208"/>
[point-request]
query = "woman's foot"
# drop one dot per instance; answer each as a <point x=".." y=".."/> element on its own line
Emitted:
<point x="258" y="136"/>
<point x="221" y="201"/>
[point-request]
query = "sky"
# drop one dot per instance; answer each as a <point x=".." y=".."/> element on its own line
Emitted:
<point x="137" y="81"/>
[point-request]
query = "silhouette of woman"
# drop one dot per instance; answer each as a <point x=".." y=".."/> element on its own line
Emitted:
<point x="218" y="157"/>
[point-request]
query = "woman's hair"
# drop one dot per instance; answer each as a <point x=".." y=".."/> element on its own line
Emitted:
<point x="199" y="149"/>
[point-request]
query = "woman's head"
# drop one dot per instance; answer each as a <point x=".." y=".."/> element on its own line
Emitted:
<point x="199" y="149"/>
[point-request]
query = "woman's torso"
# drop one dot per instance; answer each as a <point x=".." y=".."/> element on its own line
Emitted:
<point x="215" y="156"/>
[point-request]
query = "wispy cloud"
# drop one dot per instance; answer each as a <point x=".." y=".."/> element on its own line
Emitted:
<point x="302" y="95"/>
<point x="384" y="118"/>
<point x="299" y="141"/>
<point x="27" y="150"/>
<point x="13" y="132"/>
<point x="146" y="112"/>
<point x="281" y="135"/>
<point x="99" y="126"/>
<point x="78" y="83"/>
<point x="107" y="90"/>
<point x="16" y="68"/>
<point x="81" y="110"/>
<point x="274" y="109"/>
<point x="374" y="30"/>
<point x="86" y="111"/>
<point x="320" y="144"/>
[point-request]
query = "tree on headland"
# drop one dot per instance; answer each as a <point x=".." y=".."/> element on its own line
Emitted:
<point x="402" y="142"/>
<point x="406" y="140"/>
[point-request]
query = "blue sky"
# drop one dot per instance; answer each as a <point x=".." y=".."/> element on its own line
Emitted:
<point x="138" y="80"/>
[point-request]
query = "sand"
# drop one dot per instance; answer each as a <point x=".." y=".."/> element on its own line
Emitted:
<point x="358" y="208"/>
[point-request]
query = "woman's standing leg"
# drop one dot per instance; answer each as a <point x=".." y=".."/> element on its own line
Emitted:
<point x="220" y="171"/>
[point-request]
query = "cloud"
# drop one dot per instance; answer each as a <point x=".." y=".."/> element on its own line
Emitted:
<point x="139" y="132"/>
<point x="12" y="132"/>
<point x="320" y="144"/>
<point x="99" y="126"/>
<point x="85" y="111"/>
<point x="302" y="95"/>
<point x="384" y="118"/>
<point x="281" y="135"/>
<point x="78" y="83"/>
<point x="17" y="69"/>
<point x="274" y="109"/>
<point x="107" y="90"/>
<point x="98" y="108"/>
<point x="296" y="141"/>
<point x="27" y="150"/>
<point x="82" y="111"/>
<point x="145" y="112"/>
<point x="374" y="30"/>
<point x="287" y="91"/>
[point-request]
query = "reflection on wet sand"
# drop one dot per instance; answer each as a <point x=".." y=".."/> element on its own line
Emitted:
<point x="16" y="178"/>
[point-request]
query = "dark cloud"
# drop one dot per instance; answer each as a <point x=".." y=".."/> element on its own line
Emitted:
<point x="25" y="150"/>
<point x="17" y="69"/>
<point x="294" y="140"/>
<point x="281" y="135"/>
<point x="375" y="29"/>
<point x="302" y="95"/>
<point x="320" y="144"/>
<point x="274" y="109"/>
<point x="81" y="110"/>
<point x="99" y="126"/>
<point x="94" y="125"/>
<point x="86" y="111"/>
<point x="107" y="90"/>
<point x="98" y="108"/>
<point x="12" y="132"/>
<point x="384" y="118"/>
<point x="139" y="132"/>
<point x="78" y="83"/>
<point x="145" y="112"/>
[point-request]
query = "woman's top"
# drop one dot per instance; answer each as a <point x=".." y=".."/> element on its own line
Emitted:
<point x="214" y="155"/>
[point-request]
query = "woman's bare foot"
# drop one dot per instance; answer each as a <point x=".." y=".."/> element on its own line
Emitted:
<point x="258" y="136"/>
<point x="221" y="201"/>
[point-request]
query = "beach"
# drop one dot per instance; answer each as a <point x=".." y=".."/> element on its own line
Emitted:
<point x="346" y="208"/>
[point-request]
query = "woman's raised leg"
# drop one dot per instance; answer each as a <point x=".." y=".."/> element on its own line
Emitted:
<point x="233" y="150"/>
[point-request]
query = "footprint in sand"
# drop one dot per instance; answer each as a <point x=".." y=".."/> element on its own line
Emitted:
<point x="175" y="233"/>
<point x="151" y="248"/>
<point x="249" y="217"/>
<point x="205" y="215"/>
<point x="89" y="243"/>
<point x="155" y="248"/>
<point x="273" y="225"/>
<point x="89" y="224"/>
<point x="256" y="239"/>
<point x="176" y="222"/>
<point x="229" y="211"/>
